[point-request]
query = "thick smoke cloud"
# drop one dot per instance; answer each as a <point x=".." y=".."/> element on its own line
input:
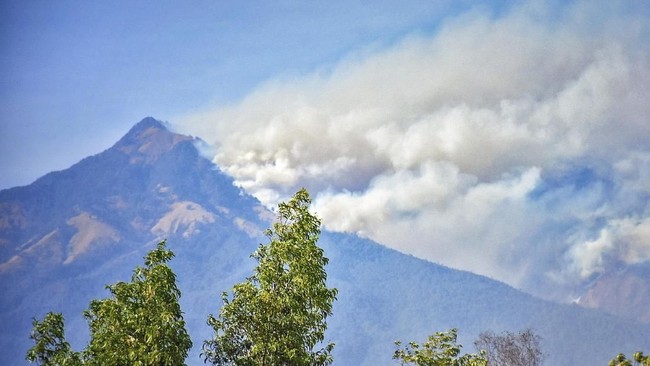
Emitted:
<point x="516" y="147"/>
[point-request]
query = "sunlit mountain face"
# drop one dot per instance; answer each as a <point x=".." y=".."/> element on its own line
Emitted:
<point x="71" y="232"/>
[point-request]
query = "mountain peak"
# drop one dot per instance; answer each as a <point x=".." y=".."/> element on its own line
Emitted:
<point x="148" y="139"/>
<point x="146" y="124"/>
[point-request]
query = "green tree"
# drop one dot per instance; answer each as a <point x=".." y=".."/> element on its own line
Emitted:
<point x="637" y="359"/>
<point x="142" y="324"/>
<point x="51" y="348"/>
<point x="440" y="349"/>
<point x="278" y="315"/>
<point x="510" y="349"/>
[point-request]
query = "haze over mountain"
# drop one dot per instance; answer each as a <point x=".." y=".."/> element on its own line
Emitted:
<point x="69" y="233"/>
<point x="507" y="138"/>
<point x="512" y="144"/>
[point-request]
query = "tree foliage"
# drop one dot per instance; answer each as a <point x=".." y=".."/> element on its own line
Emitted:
<point x="637" y="359"/>
<point x="510" y="349"/>
<point x="141" y="324"/>
<point x="277" y="316"/>
<point x="51" y="348"/>
<point x="440" y="349"/>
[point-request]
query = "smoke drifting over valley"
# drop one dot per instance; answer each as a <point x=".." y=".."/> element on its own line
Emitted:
<point x="515" y="146"/>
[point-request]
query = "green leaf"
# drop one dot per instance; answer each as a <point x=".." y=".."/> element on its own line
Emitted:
<point x="278" y="315"/>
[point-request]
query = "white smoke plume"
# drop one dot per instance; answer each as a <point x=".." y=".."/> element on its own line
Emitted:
<point x="515" y="146"/>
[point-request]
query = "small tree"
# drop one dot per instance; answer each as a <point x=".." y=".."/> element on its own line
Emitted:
<point x="510" y="349"/>
<point x="440" y="349"/>
<point x="278" y="315"/>
<point x="51" y="348"/>
<point x="638" y="359"/>
<point x="142" y="324"/>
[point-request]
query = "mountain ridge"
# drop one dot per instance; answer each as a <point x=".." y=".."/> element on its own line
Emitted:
<point x="81" y="228"/>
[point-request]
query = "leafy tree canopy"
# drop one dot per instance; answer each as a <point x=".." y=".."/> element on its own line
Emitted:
<point x="141" y="324"/>
<point x="440" y="349"/>
<point x="278" y="315"/>
<point x="637" y="359"/>
<point x="51" y="348"/>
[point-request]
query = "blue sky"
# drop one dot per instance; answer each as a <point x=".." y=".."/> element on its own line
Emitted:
<point x="505" y="138"/>
<point x="75" y="75"/>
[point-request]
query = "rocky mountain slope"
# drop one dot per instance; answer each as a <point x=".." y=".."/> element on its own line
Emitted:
<point x="68" y="234"/>
<point x="625" y="293"/>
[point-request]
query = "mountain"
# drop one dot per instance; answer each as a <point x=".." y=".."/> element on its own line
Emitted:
<point x="69" y="233"/>
<point x="625" y="292"/>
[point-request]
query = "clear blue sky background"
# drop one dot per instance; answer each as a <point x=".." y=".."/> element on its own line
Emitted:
<point x="75" y="75"/>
